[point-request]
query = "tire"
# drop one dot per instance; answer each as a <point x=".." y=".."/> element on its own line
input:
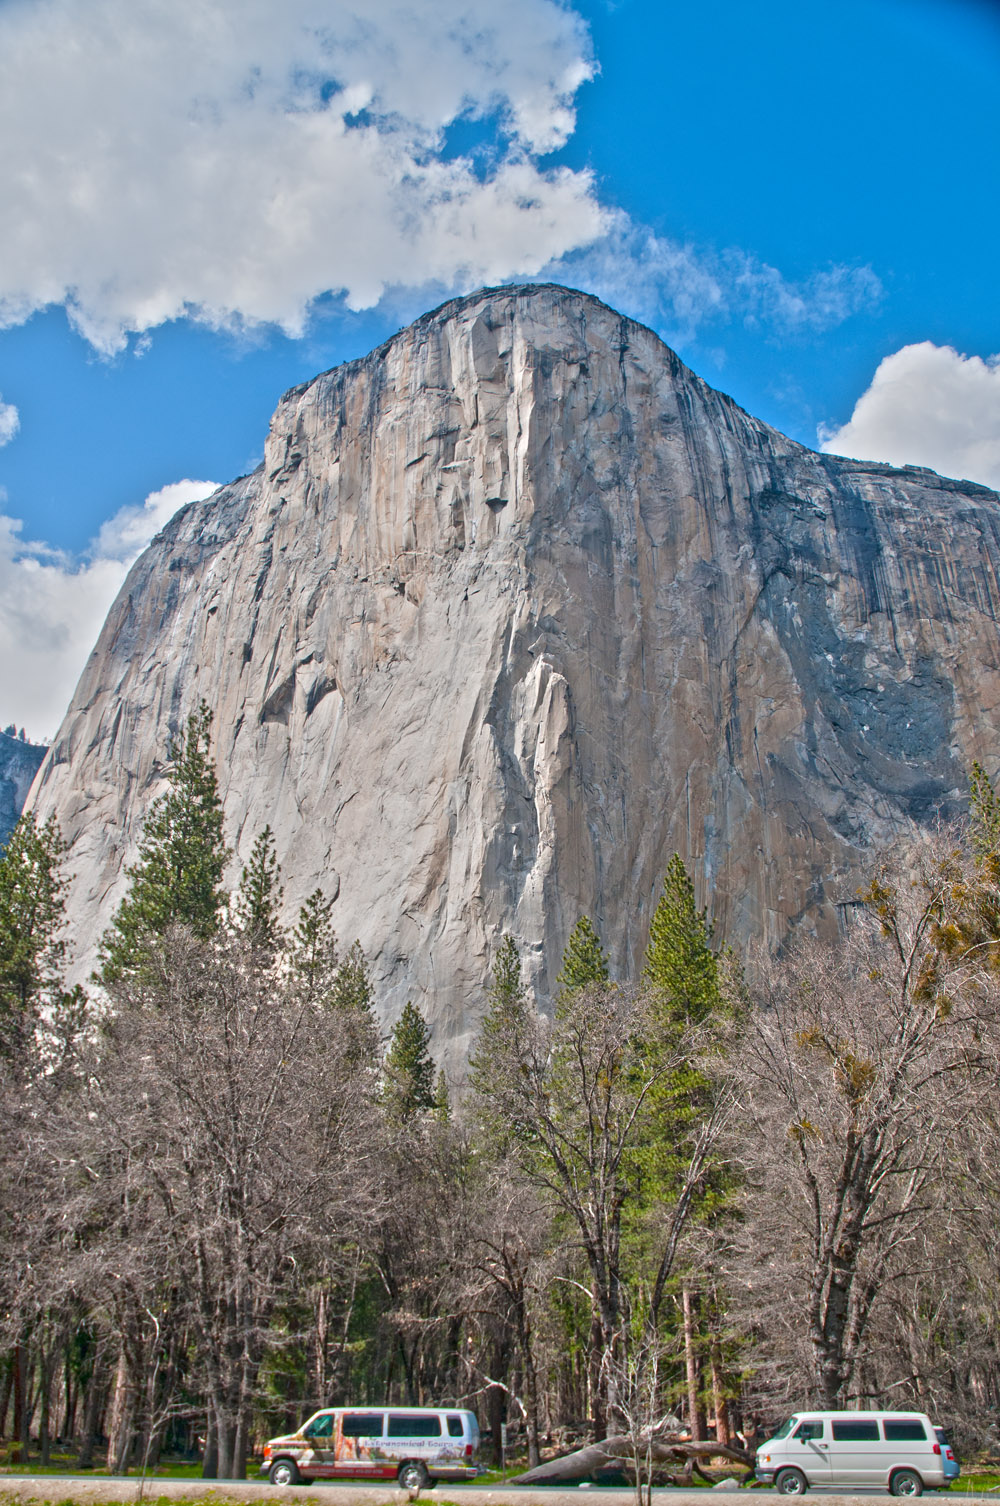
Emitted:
<point x="412" y="1475"/>
<point x="906" y="1482"/>
<point x="790" y="1482"/>
<point x="284" y="1472"/>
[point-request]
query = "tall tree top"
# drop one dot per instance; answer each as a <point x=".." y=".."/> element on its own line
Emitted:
<point x="32" y="898"/>
<point x="583" y="961"/>
<point x="409" y="1066"/>
<point x="255" y="905"/>
<point x="507" y="1010"/>
<point x="680" y="962"/>
<point x="177" y="879"/>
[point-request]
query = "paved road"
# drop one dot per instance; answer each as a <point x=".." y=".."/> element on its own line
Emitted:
<point x="83" y="1490"/>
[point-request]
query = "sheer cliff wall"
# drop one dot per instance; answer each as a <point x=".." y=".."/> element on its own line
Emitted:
<point x="515" y="607"/>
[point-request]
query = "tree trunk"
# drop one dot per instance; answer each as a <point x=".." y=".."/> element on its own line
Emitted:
<point x="210" y="1457"/>
<point x="8" y="1386"/>
<point x="495" y="1399"/>
<point x="93" y="1407"/>
<point x="723" y="1430"/>
<point x="622" y="1449"/>
<point x="19" y="1445"/>
<point x="696" y="1416"/>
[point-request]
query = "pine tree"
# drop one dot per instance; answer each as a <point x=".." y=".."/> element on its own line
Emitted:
<point x="682" y="972"/>
<point x="583" y="961"/>
<point x="178" y="877"/>
<point x="442" y="1104"/>
<point x="680" y="963"/>
<point x="315" y="954"/>
<point x="32" y="901"/>
<point x="255" y="905"/>
<point x="507" y="1013"/>
<point x="409" y="1066"/>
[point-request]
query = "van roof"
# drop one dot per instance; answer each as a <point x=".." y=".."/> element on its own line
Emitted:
<point x="385" y="1406"/>
<point x="857" y="1412"/>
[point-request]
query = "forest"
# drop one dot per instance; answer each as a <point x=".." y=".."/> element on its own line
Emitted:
<point x="696" y="1198"/>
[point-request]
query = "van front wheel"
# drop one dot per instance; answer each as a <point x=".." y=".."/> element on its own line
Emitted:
<point x="284" y="1472"/>
<point x="790" y="1482"/>
<point x="413" y="1476"/>
<point x="906" y="1482"/>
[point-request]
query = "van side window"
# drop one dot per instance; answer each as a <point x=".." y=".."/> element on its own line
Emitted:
<point x="862" y="1431"/>
<point x="414" y="1427"/>
<point x="455" y="1428"/>
<point x="910" y="1431"/>
<point x="361" y="1425"/>
<point x="807" y="1430"/>
<point x="321" y="1428"/>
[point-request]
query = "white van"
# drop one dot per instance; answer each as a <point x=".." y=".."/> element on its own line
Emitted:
<point x="414" y="1445"/>
<point x="898" y="1451"/>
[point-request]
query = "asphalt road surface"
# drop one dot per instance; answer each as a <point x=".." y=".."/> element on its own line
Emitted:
<point x="87" y="1489"/>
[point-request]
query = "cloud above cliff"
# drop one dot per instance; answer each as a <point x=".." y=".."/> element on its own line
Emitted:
<point x="235" y="161"/>
<point x="679" y="288"/>
<point x="928" y="405"/>
<point x="52" y="608"/>
<point x="10" y="421"/>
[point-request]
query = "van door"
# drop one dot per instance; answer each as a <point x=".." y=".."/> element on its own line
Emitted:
<point x="359" y="1446"/>
<point x="319" y="1464"/>
<point x="808" y="1449"/>
<point x="856" y="1451"/>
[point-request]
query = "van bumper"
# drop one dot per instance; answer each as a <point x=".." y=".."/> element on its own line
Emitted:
<point x="763" y="1476"/>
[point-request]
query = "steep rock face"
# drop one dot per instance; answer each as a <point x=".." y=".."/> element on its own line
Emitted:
<point x="19" y="763"/>
<point x="515" y="607"/>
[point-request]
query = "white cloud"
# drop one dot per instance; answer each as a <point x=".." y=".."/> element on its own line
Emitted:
<point x="928" y="405"/>
<point x="234" y="159"/>
<point x="679" y="288"/>
<point x="52" y="608"/>
<point x="10" y="421"/>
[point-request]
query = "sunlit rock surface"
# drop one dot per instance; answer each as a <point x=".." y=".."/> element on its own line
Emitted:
<point x="515" y="607"/>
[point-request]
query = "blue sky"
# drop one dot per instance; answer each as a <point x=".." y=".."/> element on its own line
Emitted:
<point x="205" y="201"/>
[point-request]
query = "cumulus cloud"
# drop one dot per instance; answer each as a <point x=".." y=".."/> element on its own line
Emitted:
<point x="679" y="288"/>
<point x="928" y="405"/>
<point x="10" y="421"/>
<point x="232" y="160"/>
<point x="52" y="608"/>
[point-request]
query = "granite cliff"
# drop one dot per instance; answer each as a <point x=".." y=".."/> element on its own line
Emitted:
<point x="19" y="763"/>
<point x="515" y="607"/>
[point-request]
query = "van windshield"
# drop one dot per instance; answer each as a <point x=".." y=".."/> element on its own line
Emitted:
<point x="786" y="1428"/>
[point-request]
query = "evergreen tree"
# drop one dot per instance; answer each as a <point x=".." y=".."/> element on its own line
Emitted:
<point x="255" y="905"/>
<point x="507" y="1013"/>
<point x="583" y="961"/>
<point x="352" y="985"/>
<point x="178" y="877"/>
<point x="984" y="803"/>
<point x="409" y="1066"/>
<point x="315" y="954"/>
<point x="682" y="974"/>
<point x="32" y="900"/>
<point x="442" y="1104"/>
<point x="680" y="963"/>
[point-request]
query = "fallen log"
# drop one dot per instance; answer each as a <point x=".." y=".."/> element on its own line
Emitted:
<point x="596" y="1459"/>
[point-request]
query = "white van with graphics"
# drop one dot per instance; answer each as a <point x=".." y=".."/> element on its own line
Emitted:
<point x="414" y="1445"/>
<point x="898" y="1451"/>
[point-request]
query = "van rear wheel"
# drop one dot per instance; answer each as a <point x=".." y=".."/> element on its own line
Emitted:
<point x="413" y="1476"/>
<point x="790" y="1482"/>
<point x="906" y="1482"/>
